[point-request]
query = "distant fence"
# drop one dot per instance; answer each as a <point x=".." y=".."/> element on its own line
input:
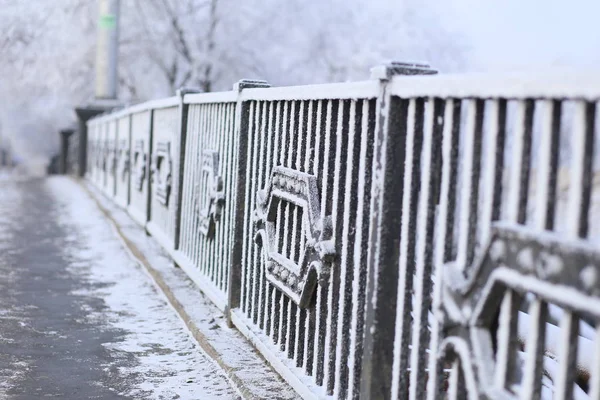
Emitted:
<point x="68" y="159"/>
<point x="405" y="237"/>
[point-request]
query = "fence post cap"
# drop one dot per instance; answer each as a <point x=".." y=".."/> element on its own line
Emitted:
<point x="250" y="83"/>
<point x="66" y="132"/>
<point x="182" y="91"/>
<point x="386" y="71"/>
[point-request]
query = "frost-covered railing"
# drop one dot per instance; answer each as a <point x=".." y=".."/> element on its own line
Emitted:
<point x="208" y="192"/>
<point x="304" y="228"/>
<point x="403" y="237"/>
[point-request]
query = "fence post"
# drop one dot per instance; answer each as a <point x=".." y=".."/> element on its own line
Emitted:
<point x="149" y="171"/>
<point x="64" y="150"/>
<point x="384" y="233"/>
<point x="241" y="127"/>
<point x="178" y="183"/>
<point x="83" y="115"/>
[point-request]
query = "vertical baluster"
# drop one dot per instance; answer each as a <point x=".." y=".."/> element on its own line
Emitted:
<point x="258" y="160"/>
<point x="185" y="182"/>
<point x="194" y="158"/>
<point x="360" y="250"/>
<point x="469" y="197"/>
<point x="534" y="361"/>
<point x="216" y="243"/>
<point x="313" y="157"/>
<point x="492" y="170"/>
<point x="299" y="335"/>
<point x="290" y="329"/>
<point x="296" y="164"/>
<point x="456" y="387"/>
<point x="207" y="245"/>
<point x="342" y="335"/>
<point x="280" y="162"/>
<point x="220" y="243"/>
<point x="230" y="178"/>
<point x="508" y="340"/>
<point x="567" y="357"/>
<point x="400" y="384"/>
<point x="264" y="163"/>
<point x="205" y="143"/>
<point x="334" y="279"/>
<point x="520" y="163"/>
<point x="429" y="176"/>
<point x="283" y="318"/>
<point x="302" y="162"/>
<point x="554" y="160"/>
<point x="248" y="243"/>
<point x="281" y="215"/>
<point x="274" y="331"/>
<point x="267" y="165"/>
<point x="194" y="235"/>
<point x="206" y="253"/>
<point x="594" y="391"/>
<point x="287" y="233"/>
<point x="322" y="294"/>
<point x="270" y="315"/>
<point x="195" y="179"/>
<point x="547" y="165"/>
<point x="444" y="243"/>
<point x="580" y="182"/>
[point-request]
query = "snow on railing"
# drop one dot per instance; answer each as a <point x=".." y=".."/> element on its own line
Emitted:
<point x="403" y="237"/>
<point x="208" y="193"/>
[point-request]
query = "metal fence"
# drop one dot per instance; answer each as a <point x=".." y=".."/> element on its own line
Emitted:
<point x="163" y="163"/>
<point x="208" y="192"/>
<point x="123" y="160"/>
<point x="94" y="151"/>
<point x="403" y="237"/>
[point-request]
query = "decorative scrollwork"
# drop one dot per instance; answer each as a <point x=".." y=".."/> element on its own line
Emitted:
<point x="124" y="160"/>
<point x="209" y="193"/>
<point x="162" y="166"/>
<point x="516" y="262"/>
<point x="105" y="157"/>
<point x="139" y="165"/>
<point x="297" y="280"/>
<point x="99" y="152"/>
<point x="112" y="158"/>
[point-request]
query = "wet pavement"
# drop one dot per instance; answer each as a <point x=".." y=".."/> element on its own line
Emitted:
<point x="79" y="319"/>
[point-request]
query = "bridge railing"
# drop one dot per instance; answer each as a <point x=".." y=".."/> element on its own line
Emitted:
<point x="402" y="237"/>
<point x="208" y="192"/>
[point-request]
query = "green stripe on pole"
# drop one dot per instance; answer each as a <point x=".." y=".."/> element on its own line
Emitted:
<point x="107" y="21"/>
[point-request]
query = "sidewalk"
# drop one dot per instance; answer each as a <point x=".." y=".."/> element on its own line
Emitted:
<point x="79" y="318"/>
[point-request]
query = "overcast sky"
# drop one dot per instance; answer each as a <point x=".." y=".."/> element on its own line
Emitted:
<point x="527" y="34"/>
<point x="290" y="42"/>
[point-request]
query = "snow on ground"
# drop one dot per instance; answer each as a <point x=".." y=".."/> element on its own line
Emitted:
<point x="143" y="350"/>
<point x="169" y="359"/>
<point x="7" y="275"/>
<point x="237" y="354"/>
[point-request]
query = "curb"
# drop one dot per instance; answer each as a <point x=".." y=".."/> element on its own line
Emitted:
<point x="238" y="382"/>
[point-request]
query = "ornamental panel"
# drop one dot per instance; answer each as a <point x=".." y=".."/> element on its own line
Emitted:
<point x="209" y="193"/>
<point x="162" y="169"/>
<point x="295" y="261"/>
<point x="139" y="165"/>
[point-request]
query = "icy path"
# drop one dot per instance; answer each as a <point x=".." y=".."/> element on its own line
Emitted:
<point x="78" y="318"/>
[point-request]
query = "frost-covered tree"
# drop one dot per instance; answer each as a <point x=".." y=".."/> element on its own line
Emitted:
<point x="48" y="50"/>
<point x="46" y="67"/>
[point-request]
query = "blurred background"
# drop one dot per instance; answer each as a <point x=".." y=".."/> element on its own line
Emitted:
<point x="47" y="48"/>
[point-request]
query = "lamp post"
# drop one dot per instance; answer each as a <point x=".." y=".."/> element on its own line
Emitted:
<point x="105" y="94"/>
<point x="107" y="48"/>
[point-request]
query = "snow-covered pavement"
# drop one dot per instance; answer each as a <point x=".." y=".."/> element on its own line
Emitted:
<point x="79" y="319"/>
